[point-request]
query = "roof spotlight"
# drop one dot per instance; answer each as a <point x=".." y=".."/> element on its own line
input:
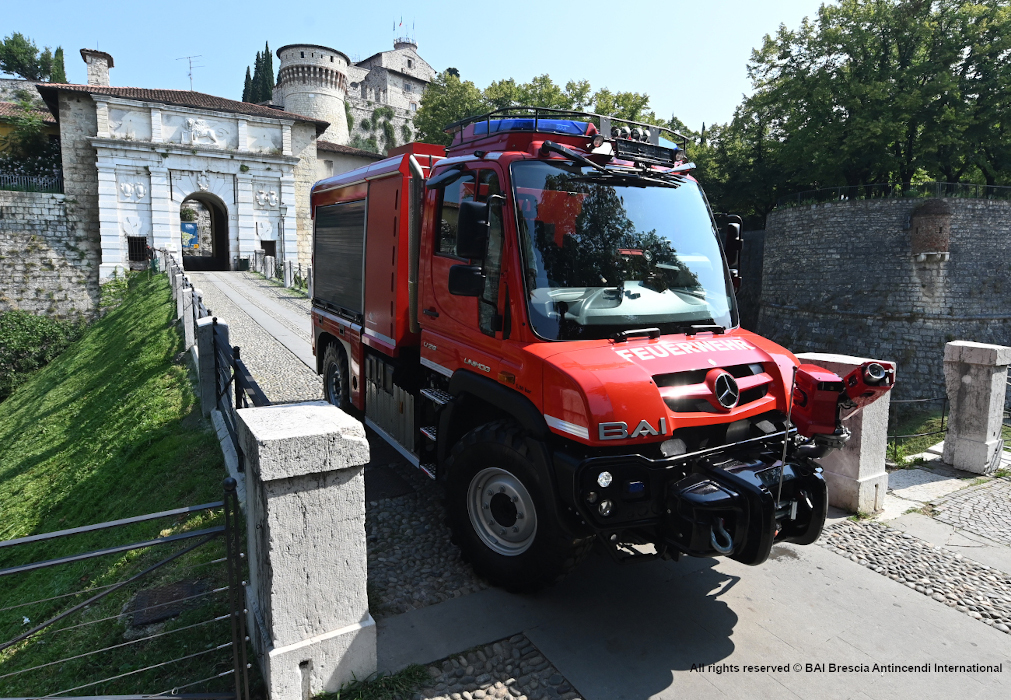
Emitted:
<point x="636" y="134"/>
<point x="598" y="140"/>
<point x="624" y="132"/>
<point x="615" y="132"/>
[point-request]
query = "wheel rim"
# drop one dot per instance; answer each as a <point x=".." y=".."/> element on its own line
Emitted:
<point x="501" y="511"/>
<point x="334" y="389"/>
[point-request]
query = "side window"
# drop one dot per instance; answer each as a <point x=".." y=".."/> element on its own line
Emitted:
<point x="449" y="211"/>
<point x="488" y="316"/>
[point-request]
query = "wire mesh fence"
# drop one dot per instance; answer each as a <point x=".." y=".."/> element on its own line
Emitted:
<point x="31" y="183"/>
<point x="137" y="606"/>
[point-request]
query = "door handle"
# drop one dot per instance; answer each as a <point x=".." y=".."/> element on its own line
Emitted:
<point x="431" y="312"/>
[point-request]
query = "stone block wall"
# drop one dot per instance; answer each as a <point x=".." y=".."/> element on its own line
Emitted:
<point x="843" y="277"/>
<point x="303" y="145"/>
<point x="48" y="263"/>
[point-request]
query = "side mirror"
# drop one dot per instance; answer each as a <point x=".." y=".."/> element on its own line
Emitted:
<point x="444" y="178"/>
<point x="472" y="230"/>
<point x="733" y="244"/>
<point x="466" y="280"/>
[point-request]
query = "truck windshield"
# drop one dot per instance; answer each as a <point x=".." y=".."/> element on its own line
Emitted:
<point x="605" y="253"/>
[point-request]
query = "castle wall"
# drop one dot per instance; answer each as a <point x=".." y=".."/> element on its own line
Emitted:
<point x="845" y="277"/>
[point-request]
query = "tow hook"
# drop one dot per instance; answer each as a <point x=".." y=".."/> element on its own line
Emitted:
<point x="717" y="529"/>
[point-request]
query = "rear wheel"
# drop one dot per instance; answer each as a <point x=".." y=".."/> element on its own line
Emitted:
<point x="335" y="376"/>
<point x="501" y="513"/>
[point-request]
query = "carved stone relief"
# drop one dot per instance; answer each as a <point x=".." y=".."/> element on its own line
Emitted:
<point x="187" y="130"/>
<point x="129" y="124"/>
<point x="185" y="183"/>
<point x="266" y="194"/>
<point x="265" y="230"/>
<point x="263" y="138"/>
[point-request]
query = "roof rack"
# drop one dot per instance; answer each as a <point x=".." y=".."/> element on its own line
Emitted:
<point x="522" y="114"/>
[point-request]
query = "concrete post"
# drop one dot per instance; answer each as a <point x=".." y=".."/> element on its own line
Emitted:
<point x="178" y="290"/>
<point x="856" y="476"/>
<point x="205" y="351"/>
<point x="976" y="378"/>
<point x="188" y="313"/>
<point x="308" y="606"/>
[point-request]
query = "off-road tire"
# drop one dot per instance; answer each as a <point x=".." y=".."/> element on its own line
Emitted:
<point x="335" y="376"/>
<point x="553" y="552"/>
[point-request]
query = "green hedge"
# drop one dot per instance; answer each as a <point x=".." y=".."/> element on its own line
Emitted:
<point x="29" y="342"/>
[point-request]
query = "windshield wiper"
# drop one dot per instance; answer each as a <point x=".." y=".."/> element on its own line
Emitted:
<point x="569" y="153"/>
<point x="622" y="336"/>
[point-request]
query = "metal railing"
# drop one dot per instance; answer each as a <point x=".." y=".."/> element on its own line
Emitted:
<point x="205" y="603"/>
<point x="894" y="439"/>
<point x="895" y="190"/>
<point x="32" y="183"/>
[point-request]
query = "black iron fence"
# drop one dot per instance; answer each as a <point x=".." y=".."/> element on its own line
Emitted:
<point x="31" y="183"/>
<point x="894" y="440"/>
<point x="892" y="190"/>
<point x="183" y="612"/>
<point x="233" y="379"/>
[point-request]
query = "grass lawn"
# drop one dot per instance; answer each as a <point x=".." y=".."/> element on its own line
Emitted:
<point x="110" y="429"/>
<point x="912" y="423"/>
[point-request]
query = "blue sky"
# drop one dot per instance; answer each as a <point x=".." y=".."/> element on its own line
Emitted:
<point x="689" y="56"/>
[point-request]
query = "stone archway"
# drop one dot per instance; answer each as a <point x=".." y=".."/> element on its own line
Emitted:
<point x="216" y="218"/>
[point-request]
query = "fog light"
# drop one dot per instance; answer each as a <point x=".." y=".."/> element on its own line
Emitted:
<point x="605" y="507"/>
<point x="591" y="497"/>
<point x="673" y="447"/>
<point x="598" y="140"/>
<point x="874" y="373"/>
<point x="604" y="480"/>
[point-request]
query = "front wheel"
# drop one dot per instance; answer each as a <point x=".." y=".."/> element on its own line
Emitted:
<point x="501" y="514"/>
<point x="335" y="376"/>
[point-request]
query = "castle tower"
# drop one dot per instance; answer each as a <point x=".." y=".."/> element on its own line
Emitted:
<point x="312" y="81"/>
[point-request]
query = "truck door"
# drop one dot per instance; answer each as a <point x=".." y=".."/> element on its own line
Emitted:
<point x="468" y="324"/>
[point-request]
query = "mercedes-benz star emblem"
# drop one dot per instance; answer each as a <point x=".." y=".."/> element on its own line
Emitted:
<point x="725" y="388"/>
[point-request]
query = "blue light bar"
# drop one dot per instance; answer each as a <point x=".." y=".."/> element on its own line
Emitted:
<point x="551" y="126"/>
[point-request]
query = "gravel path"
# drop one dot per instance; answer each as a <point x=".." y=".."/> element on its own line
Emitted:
<point x="984" y="510"/>
<point x="281" y="375"/>
<point x="979" y="591"/>
<point x="510" y="668"/>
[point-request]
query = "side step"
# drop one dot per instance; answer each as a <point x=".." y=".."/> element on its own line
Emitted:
<point x="429" y="470"/>
<point x="430" y="432"/>
<point x="437" y="396"/>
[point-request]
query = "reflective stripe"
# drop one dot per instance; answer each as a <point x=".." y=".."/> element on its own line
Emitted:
<point x="566" y="427"/>
<point x="435" y="367"/>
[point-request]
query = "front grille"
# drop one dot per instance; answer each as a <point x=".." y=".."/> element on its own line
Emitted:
<point x="687" y="392"/>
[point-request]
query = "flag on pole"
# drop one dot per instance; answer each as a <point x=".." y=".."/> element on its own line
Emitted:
<point x="401" y="22"/>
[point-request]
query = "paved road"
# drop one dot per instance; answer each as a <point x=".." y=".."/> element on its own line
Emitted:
<point x="636" y="631"/>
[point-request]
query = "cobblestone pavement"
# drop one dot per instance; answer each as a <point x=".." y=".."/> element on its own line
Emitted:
<point x="282" y="376"/>
<point x="510" y="668"/>
<point x="412" y="562"/>
<point x="979" y="591"/>
<point x="984" y="510"/>
<point x="298" y="303"/>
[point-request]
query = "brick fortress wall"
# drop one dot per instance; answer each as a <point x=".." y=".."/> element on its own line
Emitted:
<point x="865" y="278"/>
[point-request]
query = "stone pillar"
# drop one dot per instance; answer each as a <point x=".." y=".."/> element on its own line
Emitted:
<point x="307" y="601"/>
<point x="246" y="243"/>
<point x="178" y="292"/>
<point x="856" y="476"/>
<point x="112" y="240"/>
<point x="161" y="211"/>
<point x="187" y="299"/>
<point x="205" y="351"/>
<point x="976" y="378"/>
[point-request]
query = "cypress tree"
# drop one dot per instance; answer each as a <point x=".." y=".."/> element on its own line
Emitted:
<point x="268" y="74"/>
<point x="59" y="73"/>
<point x="247" y="87"/>
<point x="254" y="92"/>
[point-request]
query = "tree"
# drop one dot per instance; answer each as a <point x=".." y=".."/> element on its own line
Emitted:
<point x="267" y="75"/>
<point x="446" y="99"/>
<point x="20" y="56"/>
<point x="247" y="88"/>
<point x="254" y="89"/>
<point x="59" y="72"/>
<point x="27" y="149"/>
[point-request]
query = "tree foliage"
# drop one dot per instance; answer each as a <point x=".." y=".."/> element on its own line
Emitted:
<point x="260" y="87"/>
<point x="870" y="91"/>
<point x="448" y="99"/>
<point x="26" y="149"/>
<point x="20" y="56"/>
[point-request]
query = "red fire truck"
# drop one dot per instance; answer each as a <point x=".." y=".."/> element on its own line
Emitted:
<point x="542" y="317"/>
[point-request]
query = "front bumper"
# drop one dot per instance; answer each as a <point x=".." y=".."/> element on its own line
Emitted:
<point x="719" y="505"/>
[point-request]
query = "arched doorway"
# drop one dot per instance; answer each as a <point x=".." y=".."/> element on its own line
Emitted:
<point x="204" y="232"/>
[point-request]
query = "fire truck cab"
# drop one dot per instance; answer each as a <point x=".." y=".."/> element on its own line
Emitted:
<point x="542" y="316"/>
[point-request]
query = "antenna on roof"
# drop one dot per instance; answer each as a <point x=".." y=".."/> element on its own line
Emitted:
<point x="190" y="59"/>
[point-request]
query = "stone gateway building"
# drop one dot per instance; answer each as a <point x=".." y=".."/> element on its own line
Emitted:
<point x="133" y="158"/>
